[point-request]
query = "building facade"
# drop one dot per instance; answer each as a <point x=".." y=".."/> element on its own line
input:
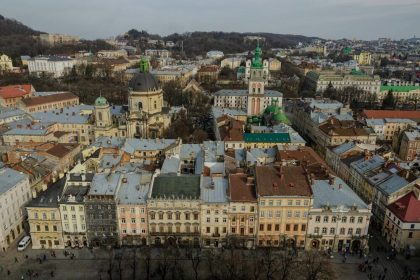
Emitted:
<point x="15" y="192"/>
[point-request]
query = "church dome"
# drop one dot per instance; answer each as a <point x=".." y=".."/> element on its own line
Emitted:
<point x="101" y="101"/>
<point x="144" y="82"/>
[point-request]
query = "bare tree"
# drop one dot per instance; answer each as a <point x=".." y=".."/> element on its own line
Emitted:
<point x="270" y="263"/>
<point x="163" y="263"/>
<point x="315" y="267"/>
<point x="194" y="255"/>
<point x="146" y="260"/>
<point x="176" y="268"/>
<point x="134" y="263"/>
<point x="256" y="264"/>
<point x="286" y="265"/>
<point x="211" y="257"/>
<point x="111" y="256"/>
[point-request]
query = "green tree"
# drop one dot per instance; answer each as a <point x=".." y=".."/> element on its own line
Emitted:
<point x="389" y="101"/>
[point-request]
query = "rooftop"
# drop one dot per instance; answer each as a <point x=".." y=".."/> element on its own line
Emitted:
<point x="45" y="99"/>
<point x="9" y="178"/>
<point x="182" y="187"/>
<point x="105" y="184"/>
<point x="78" y="114"/>
<point x="407" y="208"/>
<point x="214" y="190"/>
<point x="50" y="197"/>
<point x="240" y="189"/>
<point x="336" y="195"/>
<point x="381" y="114"/>
<point x="290" y="181"/>
<point x="134" y="188"/>
<point x="14" y="91"/>
<point x="131" y="144"/>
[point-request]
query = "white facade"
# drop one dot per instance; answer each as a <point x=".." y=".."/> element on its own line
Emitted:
<point x="56" y="66"/>
<point x="14" y="194"/>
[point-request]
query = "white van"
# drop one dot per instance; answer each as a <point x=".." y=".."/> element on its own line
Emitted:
<point x="24" y="243"/>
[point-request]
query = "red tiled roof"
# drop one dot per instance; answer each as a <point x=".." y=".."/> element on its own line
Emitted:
<point x="15" y="91"/>
<point x="381" y="114"/>
<point x="289" y="181"/>
<point x="407" y="208"/>
<point x="240" y="189"/>
<point x="39" y="100"/>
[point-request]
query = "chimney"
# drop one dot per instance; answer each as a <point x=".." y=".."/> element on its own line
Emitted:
<point x="367" y="155"/>
<point x="331" y="180"/>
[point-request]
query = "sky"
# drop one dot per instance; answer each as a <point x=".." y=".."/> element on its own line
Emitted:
<point x="329" y="19"/>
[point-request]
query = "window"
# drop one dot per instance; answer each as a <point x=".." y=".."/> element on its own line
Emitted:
<point x="358" y="231"/>
<point x="44" y="216"/>
<point x="289" y="214"/>
<point x="251" y="209"/>
<point x="251" y="219"/>
<point x="305" y="214"/>
<point x="208" y="220"/>
<point x="295" y="227"/>
<point x="47" y="228"/>
<point x="297" y="214"/>
<point x="277" y="227"/>
<point x="297" y="202"/>
<point x="342" y="231"/>
<point x="224" y="220"/>
<point x="187" y="216"/>
<point x="360" y="220"/>
<point x="262" y="227"/>
<point x="326" y="218"/>
<point x="270" y="203"/>
<point x="36" y="215"/>
<point x="316" y="230"/>
<point x="287" y="227"/>
<point x="262" y="214"/>
<point x="290" y="202"/>
<point x="233" y="230"/>
<point x="195" y="216"/>
<point x="269" y="227"/>
<point x="152" y="216"/>
<point x="344" y="219"/>
<point x="133" y="220"/>
<point x="169" y="216"/>
<point x="332" y="231"/>
<point x="160" y="216"/>
<point x="178" y="216"/>
<point x="333" y="219"/>
<point x="208" y="229"/>
<point x="242" y="209"/>
<point x="278" y="214"/>
<point x="412" y="226"/>
<point x="306" y="202"/>
<point x="278" y="202"/>
<point x="303" y="227"/>
<point x="350" y="231"/>
<point x="318" y="219"/>
<point x="270" y="214"/>
<point x="410" y="234"/>
<point x="324" y="230"/>
<point x="123" y="220"/>
<point x="352" y="220"/>
<point x="38" y="228"/>
<point x="262" y="203"/>
<point x="133" y="211"/>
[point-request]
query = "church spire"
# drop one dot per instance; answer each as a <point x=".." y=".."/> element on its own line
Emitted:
<point x="257" y="60"/>
<point x="144" y="65"/>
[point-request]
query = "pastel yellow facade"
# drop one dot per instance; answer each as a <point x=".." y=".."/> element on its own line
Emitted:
<point x="45" y="227"/>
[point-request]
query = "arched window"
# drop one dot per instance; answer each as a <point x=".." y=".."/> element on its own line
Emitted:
<point x="140" y="106"/>
<point x="100" y="116"/>
<point x="155" y="104"/>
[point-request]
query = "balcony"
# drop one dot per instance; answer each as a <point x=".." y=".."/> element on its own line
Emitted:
<point x="215" y="235"/>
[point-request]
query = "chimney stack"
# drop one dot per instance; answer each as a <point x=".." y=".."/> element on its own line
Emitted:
<point x="331" y="180"/>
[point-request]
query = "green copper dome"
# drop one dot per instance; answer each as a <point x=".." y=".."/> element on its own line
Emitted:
<point x="257" y="60"/>
<point x="276" y="112"/>
<point x="101" y="101"/>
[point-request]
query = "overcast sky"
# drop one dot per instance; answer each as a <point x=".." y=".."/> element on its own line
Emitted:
<point x="361" y="19"/>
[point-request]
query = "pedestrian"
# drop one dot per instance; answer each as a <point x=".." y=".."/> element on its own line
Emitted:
<point x="385" y="270"/>
<point x="16" y="260"/>
<point x="26" y="256"/>
<point x="52" y="273"/>
<point x="45" y="257"/>
<point x="40" y="260"/>
<point x="8" y="272"/>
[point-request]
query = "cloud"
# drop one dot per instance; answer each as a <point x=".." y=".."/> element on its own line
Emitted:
<point x="364" y="19"/>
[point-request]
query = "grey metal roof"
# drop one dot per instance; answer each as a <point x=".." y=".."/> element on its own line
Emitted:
<point x="214" y="189"/>
<point x="339" y="195"/>
<point x="362" y="165"/>
<point x="131" y="144"/>
<point x="143" y="82"/>
<point x="105" y="184"/>
<point x="393" y="184"/>
<point x="50" y="197"/>
<point x="135" y="188"/>
<point x="171" y="165"/>
<point x="9" y="178"/>
<point x="344" y="147"/>
<point x="68" y="115"/>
